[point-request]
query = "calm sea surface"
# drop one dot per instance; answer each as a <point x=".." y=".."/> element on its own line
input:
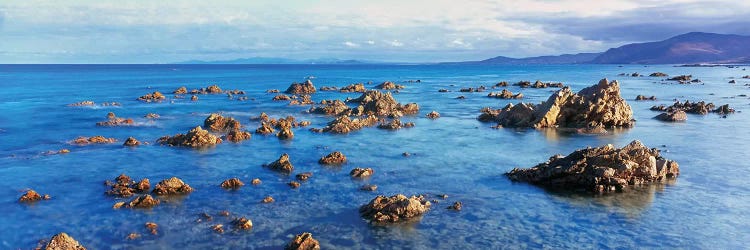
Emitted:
<point x="705" y="208"/>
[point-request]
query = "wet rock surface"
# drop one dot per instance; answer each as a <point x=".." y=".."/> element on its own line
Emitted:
<point x="600" y="170"/>
<point x="433" y="115"/>
<point x="32" y="196"/>
<point x="63" y="241"/>
<point x="242" y="223"/>
<point x="303" y="241"/>
<point x="301" y="88"/>
<point x="237" y="135"/>
<point x="333" y="158"/>
<point x="395" y="124"/>
<point x="113" y="120"/>
<point x="396" y="208"/>
<point x="195" y="138"/>
<point x="281" y="165"/>
<point x="172" y="186"/>
<point x="180" y="91"/>
<point x="672" y="116"/>
<point x="597" y="105"/>
<point x="217" y="123"/>
<point x="144" y="201"/>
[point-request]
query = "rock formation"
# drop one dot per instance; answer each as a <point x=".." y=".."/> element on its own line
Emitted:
<point x="63" y="241"/>
<point x="156" y="96"/>
<point x="396" y="208"/>
<point x="172" y="186"/>
<point x="505" y="94"/>
<point x="303" y="241"/>
<point x="124" y="186"/>
<point x="281" y="165"/>
<point x="333" y="158"/>
<point x="357" y="87"/>
<point x="301" y="88"/>
<point x="196" y="138"/>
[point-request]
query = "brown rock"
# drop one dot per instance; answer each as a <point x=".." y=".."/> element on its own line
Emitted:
<point x="131" y="142"/>
<point x="285" y="133"/>
<point x="681" y="78"/>
<point x="256" y="181"/>
<point x="180" y="91"/>
<point x="361" y="172"/>
<point x="272" y="91"/>
<point x="389" y="85"/>
<point x="357" y="87"/>
<point x="333" y="158"/>
<point x="233" y="183"/>
<point x="281" y="97"/>
<point x="242" y="223"/>
<point x="63" y="151"/>
<point x="124" y="186"/>
<point x="344" y="124"/>
<point x="293" y="184"/>
<point x="674" y="116"/>
<point x="265" y="129"/>
<point x="600" y="170"/>
<point x="143" y="201"/>
<point x="196" y="138"/>
<point x="369" y="187"/>
<point x="304" y="176"/>
<point x="301" y="88"/>
<point x="30" y="196"/>
<point x="194" y="98"/>
<point x="133" y="236"/>
<point x="331" y="107"/>
<point x="433" y="115"/>
<point x="238" y="135"/>
<point x="156" y="96"/>
<point x="153" y="227"/>
<point x="505" y="94"/>
<point x="218" y="228"/>
<point x="218" y="123"/>
<point x="395" y="124"/>
<point x="172" y="186"/>
<point x="328" y="88"/>
<point x="281" y="165"/>
<point x="378" y="103"/>
<point x="214" y="89"/>
<point x="63" y="241"/>
<point x="700" y="108"/>
<point x="268" y="199"/>
<point x="303" y="241"/>
<point x="396" y="208"/>
<point x="456" y="206"/>
<point x="82" y="140"/>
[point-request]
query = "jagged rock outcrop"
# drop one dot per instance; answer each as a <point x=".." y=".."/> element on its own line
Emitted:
<point x="700" y="108"/>
<point x="217" y="123"/>
<point x="156" y="96"/>
<point x="196" y="138"/>
<point x="603" y="169"/>
<point x="303" y="241"/>
<point x="63" y="241"/>
<point x="98" y="139"/>
<point x="233" y="183"/>
<point x="594" y="106"/>
<point x="301" y="88"/>
<point x="333" y="158"/>
<point x="32" y="196"/>
<point x="505" y="94"/>
<point x="237" y="135"/>
<point x="143" y="201"/>
<point x="331" y="107"/>
<point x="172" y="186"/>
<point x="396" y="208"/>
<point x="673" y="116"/>
<point x="281" y="165"/>
<point x="356" y="87"/>
<point x="344" y="125"/>
<point x="124" y="186"/>
<point x="113" y="120"/>
<point x="381" y="104"/>
<point x="387" y="85"/>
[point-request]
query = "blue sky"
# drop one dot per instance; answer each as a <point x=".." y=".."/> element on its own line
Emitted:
<point x="386" y="30"/>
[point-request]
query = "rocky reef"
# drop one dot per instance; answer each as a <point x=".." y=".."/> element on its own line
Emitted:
<point x="156" y="96"/>
<point x="217" y="123"/>
<point x="396" y="208"/>
<point x="700" y="108"/>
<point x="344" y="125"/>
<point x="599" y="105"/>
<point x="382" y="104"/>
<point x="600" y="170"/>
<point x="301" y="88"/>
<point x="195" y="138"/>
<point x="538" y="84"/>
<point x="505" y="94"/>
<point x="124" y="186"/>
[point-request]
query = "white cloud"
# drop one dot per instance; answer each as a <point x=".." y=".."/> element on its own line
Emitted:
<point x="371" y="42"/>
<point x="395" y="43"/>
<point x="351" y="44"/>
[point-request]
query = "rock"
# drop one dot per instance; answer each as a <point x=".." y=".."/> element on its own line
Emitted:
<point x="301" y="88"/>
<point x="674" y="116"/>
<point x="505" y="94"/>
<point x="143" y="201"/>
<point x="344" y="124"/>
<point x="242" y="223"/>
<point x="282" y="97"/>
<point x="115" y="121"/>
<point x="285" y="133"/>
<point x="131" y="142"/>
<point x="156" y="96"/>
<point x="395" y="124"/>
<point x="443" y="90"/>
<point x="281" y="165"/>
<point x="238" y="135"/>
<point x="293" y="184"/>
<point x="63" y="151"/>
<point x="700" y="108"/>
<point x="303" y="241"/>
<point x="333" y="158"/>
<point x="124" y="186"/>
<point x="304" y="176"/>
<point x="603" y="169"/>
<point x="658" y="74"/>
<point x="82" y="104"/>
<point x="218" y="228"/>
<point x="501" y="84"/>
<point x="301" y="100"/>
<point x="265" y="129"/>
<point x="133" y="236"/>
<point x="151" y="116"/>
<point x="255" y="182"/>
<point x="681" y="78"/>
<point x="233" y="183"/>
<point x="369" y="187"/>
<point x="63" y="241"/>
<point x="81" y="140"/>
<point x="361" y="172"/>
<point x="218" y="123"/>
<point x="461" y="97"/>
<point x="723" y="109"/>
<point x="456" y="206"/>
<point x="378" y="103"/>
<point x="194" y="98"/>
<point x="389" y="85"/>
<point x="180" y="91"/>
<point x="214" y="89"/>
<point x="396" y="208"/>
<point x="328" y="88"/>
<point x="733" y="81"/>
<point x="31" y="196"/>
<point x="357" y="87"/>
<point x="268" y="199"/>
<point x="331" y="107"/>
<point x="644" y="98"/>
<point x="118" y="205"/>
<point x="172" y="186"/>
<point x="636" y="74"/>
<point x="746" y="77"/>
<point x="597" y="105"/>
<point x="196" y="138"/>
<point x="538" y="84"/>
<point x="153" y="227"/>
<point x="478" y="89"/>
<point x="433" y="115"/>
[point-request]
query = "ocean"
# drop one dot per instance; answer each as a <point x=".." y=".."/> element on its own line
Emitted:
<point x="705" y="208"/>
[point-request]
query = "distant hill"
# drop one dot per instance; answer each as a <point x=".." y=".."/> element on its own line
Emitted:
<point x="695" y="47"/>
<point x="561" y="59"/>
<point x="275" y="60"/>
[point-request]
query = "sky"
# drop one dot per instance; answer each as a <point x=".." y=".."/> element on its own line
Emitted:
<point x="146" y="31"/>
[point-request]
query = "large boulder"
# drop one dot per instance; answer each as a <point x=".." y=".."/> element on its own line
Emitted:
<point x="673" y="116"/>
<point x="301" y="88"/>
<point x="396" y="208"/>
<point x="63" y="241"/>
<point x="172" y="186"/>
<point x="281" y="165"/>
<point x="594" y="106"/>
<point x="600" y="170"/>
<point x="196" y="138"/>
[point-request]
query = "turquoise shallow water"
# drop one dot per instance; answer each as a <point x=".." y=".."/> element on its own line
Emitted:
<point x="704" y="208"/>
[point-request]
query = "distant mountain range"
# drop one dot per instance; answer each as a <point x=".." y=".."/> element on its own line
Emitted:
<point x="690" y="48"/>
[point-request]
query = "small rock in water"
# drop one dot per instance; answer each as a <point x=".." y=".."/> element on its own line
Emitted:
<point x="396" y="208"/>
<point x="369" y="187"/>
<point x="333" y="158"/>
<point x="233" y="183"/>
<point x="293" y="184"/>
<point x="304" y="176"/>
<point x="63" y="241"/>
<point x="303" y="241"/>
<point x="172" y="186"/>
<point x="268" y="199"/>
<point x="153" y="227"/>
<point x="456" y="206"/>
<point x="281" y="165"/>
<point x="255" y="181"/>
<point x="218" y="228"/>
<point x="361" y="172"/>
<point x="243" y="223"/>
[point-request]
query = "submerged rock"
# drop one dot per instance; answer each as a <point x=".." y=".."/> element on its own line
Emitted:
<point x="303" y="241"/>
<point x="301" y="88"/>
<point x="600" y="170"/>
<point x="196" y="138"/>
<point x="82" y="104"/>
<point x="357" y="87"/>
<point x="172" y="186"/>
<point x="63" y="241"/>
<point x="152" y="116"/>
<point x="328" y="88"/>
<point x="395" y="124"/>
<point x="505" y="94"/>
<point x="456" y="206"/>
<point x="673" y="116"/>
<point x="293" y="184"/>
<point x="396" y="208"/>
<point x="433" y="115"/>
<point x="233" y="183"/>
<point x="658" y="74"/>
<point x="369" y="187"/>
<point x="304" y="176"/>
<point x="281" y="165"/>
<point x="644" y="98"/>
<point x="156" y="96"/>
<point x="333" y="158"/>
<point x="597" y="105"/>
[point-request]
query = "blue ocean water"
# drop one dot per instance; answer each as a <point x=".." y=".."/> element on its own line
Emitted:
<point x="705" y="208"/>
